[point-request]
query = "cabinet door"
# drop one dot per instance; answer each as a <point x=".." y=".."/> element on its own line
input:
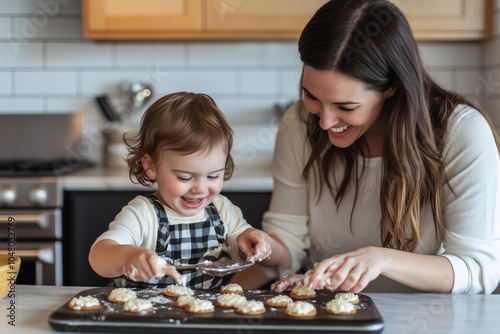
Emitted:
<point x="448" y="19"/>
<point x="259" y="18"/>
<point x="145" y="18"/>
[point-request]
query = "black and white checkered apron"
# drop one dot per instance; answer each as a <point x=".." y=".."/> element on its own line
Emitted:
<point x="185" y="244"/>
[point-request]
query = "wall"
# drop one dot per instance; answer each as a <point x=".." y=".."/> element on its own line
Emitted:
<point x="46" y="67"/>
<point x="491" y="75"/>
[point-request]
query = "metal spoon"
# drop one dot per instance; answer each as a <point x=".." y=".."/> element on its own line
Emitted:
<point x="218" y="268"/>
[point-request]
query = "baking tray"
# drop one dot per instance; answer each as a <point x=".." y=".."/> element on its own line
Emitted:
<point x="167" y="318"/>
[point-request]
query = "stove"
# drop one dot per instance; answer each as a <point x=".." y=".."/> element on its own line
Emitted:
<point x="31" y="190"/>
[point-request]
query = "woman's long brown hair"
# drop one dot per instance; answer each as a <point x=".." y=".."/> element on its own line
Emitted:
<point x="371" y="40"/>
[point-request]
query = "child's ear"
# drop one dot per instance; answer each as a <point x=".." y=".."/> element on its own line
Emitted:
<point x="149" y="166"/>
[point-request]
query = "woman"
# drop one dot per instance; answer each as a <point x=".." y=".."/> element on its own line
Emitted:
<point x="382" y="179"/>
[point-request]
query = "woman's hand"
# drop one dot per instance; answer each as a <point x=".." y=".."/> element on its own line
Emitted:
<point x="254" y="245"/>
<point x="349" y="271"/>
<point x="287" y="282"/>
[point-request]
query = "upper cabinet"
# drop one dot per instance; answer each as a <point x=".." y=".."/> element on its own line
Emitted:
<point x="266" y="19"/>
<point x="196" y="19"/>
<point x="449" y="19"/>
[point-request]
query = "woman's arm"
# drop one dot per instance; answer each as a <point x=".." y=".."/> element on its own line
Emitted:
<point x="353" y="270"/>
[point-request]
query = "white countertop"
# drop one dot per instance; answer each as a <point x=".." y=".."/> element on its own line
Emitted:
<point x="251" y="177"/>
<point x="402" y="313"/>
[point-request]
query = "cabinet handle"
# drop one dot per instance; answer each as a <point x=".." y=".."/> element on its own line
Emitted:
<point x="37" y="220"/>
<point x="44" y="255"/>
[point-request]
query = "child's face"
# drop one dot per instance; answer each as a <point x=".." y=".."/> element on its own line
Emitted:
<point x="188" y="183"/>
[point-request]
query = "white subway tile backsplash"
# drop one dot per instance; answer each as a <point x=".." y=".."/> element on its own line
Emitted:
<point x="281" y="54"/>
<point x="65" y="105"/>
<point x="468" y="81"/>
<point x="20" y="54"/>
<point x="45" y="83"/>
<point x="98" y="82"/>
<point x="79" y="54"/>
<point x="23" y="7"/>
<point x="239" y="110"/>
<point x="5" y="31"/>
<point x="492" y="52"/>
<point x="51" y="27"/>
<point x="259" y="82"/>
<point x="290" y="83"/>
<point x="150" y="55"/>
<point x="225" y="54"/>
<point x="208" y="82"/>
<point x="5" y="83"/>
<point x="19" y="105"/>
<point x="444" y="78"/>
<point x="451" y="54"/>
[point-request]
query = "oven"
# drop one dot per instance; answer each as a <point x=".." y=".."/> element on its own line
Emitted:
<point x="33" y="160"/>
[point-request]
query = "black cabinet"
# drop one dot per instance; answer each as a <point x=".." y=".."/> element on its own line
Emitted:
<point x="87" y="214"/>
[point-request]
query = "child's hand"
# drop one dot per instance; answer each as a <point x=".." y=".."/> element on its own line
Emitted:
<point x="287" y="282"/>
<point x="254" y="245"/>
<point x="142" y="265"/>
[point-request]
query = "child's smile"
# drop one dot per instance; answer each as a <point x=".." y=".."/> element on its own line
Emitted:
<point x="187" y="183"/>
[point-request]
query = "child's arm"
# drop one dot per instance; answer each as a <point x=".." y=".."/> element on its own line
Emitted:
<point x="110" y="259"/>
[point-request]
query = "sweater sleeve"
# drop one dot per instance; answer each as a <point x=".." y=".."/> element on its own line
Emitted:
<point x="471" y="203"/>
<point x="136" y="224"/>
<point x="288" y="216"/>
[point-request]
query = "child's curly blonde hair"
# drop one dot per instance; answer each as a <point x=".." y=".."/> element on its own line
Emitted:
<point x="182" y="122"/>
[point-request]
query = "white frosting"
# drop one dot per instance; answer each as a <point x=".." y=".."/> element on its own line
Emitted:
<point x="184" y="300"/>
<point x="339" y="306"/>
<point x="198" y="305"/>
<point x="302" y="290"/>
<point x="83" y="302"/>
<point x="231" y="300"/>
<point x="323" y="281"/>
<point x="137" y="305"/>
<point x="232" y="287"/>
<point x="162" y="263"/>
<point x="280" y="299"/>
<point x="179" y="290"/>
<point x="251" y="306"/>
<point x="122" y="294"/>
<point x="348" y="296"/>
<point x="300" y="308"/>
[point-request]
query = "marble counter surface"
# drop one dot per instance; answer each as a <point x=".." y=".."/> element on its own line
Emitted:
<point x="402" y="313"/>
<point x="251" y="177"/>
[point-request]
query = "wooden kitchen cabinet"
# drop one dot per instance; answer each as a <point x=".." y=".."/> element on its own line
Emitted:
<point x="442" y="20"/>
<point x="196" y="19"/>
<point x="449" y="19"/>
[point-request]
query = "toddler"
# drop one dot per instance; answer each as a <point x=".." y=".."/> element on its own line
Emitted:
<point x="183" y="146"/>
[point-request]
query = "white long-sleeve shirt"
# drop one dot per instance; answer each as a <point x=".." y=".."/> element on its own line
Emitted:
<point x="137" y="223"/>
<point x="314" y="230"/>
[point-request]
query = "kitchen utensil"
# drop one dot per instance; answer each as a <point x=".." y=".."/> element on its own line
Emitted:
<point x="135" y="95"/>
<point x="107" y="108"/>
<point x="220" y="267"/>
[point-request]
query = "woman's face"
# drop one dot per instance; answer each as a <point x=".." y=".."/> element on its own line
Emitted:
<point x="345" y="107"/>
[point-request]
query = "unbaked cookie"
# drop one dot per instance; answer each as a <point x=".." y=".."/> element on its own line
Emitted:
<point x="121" y="295"/>
<point x="175" y="290"/>
<point x="302" y="292"/>
<point x="84" y="303"/>
<point x="300" y="309"/>
<point x="199" y="306"/>
<point x="340" y="307"/>
<point x="230" y="300"/>
<point x="348" y="296"/>
<point x="232" y="288"/>
<point x="279" y="301"/>
<point x="136" y="305"/>
<point x="183" y="301"/>
<point x="251" y="307"/>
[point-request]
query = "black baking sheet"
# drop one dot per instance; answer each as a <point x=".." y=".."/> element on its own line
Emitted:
<point x="167" y="318"/>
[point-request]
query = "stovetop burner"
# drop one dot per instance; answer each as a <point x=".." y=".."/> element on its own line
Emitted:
<point x="58" y="167"/>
